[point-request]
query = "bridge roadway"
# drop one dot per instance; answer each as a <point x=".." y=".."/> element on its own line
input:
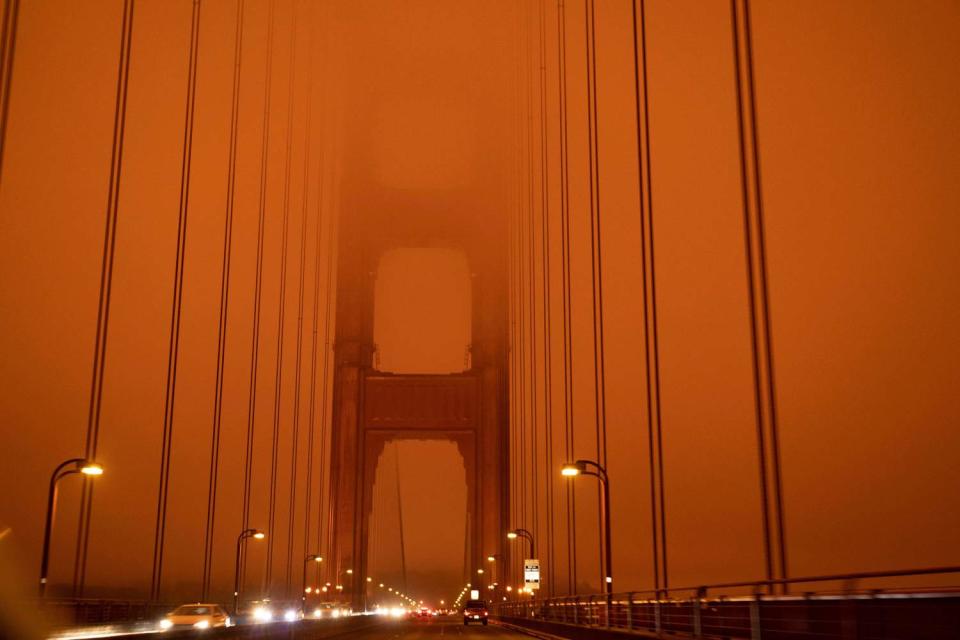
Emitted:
<point x="353" y="628"/>
<point x="449" y="627"/>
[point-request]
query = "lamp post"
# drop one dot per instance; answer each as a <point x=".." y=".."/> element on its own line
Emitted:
<point x="303" y="589"/>
<point x="256" y="534"/>
<point x="523" y="533"/>
<point x="73" y="465"/>
<point x="590" y="468"/>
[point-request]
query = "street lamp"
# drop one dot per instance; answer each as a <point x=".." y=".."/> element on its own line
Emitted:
<point x="590" y="468"/>
<point x="523" y="533"/>
<point x="303" y="591"/>
<point x="73" y="465"/>
<point x="256" y="534"/>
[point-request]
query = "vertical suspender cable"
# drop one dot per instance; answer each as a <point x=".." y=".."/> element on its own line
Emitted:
<point x="520" y="290"/>
<point x="224" y="307"/>
<point x="173" y="349"/>
<point x="548" y="342"/>
<point x="513" y="261"/>
<point x="281" y="311"/>
<point x="403" y="548"/>
<point x="596" y="257"/>
<point x="325" y="526"/>
<point x="8" y="45"/>
<point x="768" y="445"/>
<point x="106" y="288"/>
<point x="304" y="219"/>
<point x="312" y="385"/>
<point x="531" y="279"/>
<point x="257" y="288"/>
<point x="567" y="303"/>
<point x="651" y="340"/>
<point x="328" y="403"/>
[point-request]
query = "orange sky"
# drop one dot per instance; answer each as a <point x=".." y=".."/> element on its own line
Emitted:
<point x="859" y="117"/>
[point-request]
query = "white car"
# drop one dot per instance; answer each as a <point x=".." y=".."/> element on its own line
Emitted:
<point x="196" y="616"/>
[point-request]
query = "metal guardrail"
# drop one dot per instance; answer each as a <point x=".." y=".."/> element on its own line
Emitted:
<point x="850" y="612"/>
<point x="92" y="611"/>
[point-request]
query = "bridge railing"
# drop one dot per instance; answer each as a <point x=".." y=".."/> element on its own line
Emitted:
<point x="810" y="608"/>
<point x="93" y="611"/>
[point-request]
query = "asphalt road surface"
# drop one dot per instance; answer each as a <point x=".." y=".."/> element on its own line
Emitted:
<point x="451" y="628"/>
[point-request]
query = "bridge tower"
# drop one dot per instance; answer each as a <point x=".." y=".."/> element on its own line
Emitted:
<point x="372" y="408"/>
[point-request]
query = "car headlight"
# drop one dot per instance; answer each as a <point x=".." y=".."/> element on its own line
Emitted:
<point x="262" y="614"/>
<point x="201" y="624"/>
<point x="290" y="615"/>
<point x="165" y="624"/>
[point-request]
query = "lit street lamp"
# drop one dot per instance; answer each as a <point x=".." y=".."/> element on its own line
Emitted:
<point x="590" y="468"/>
<point x="256" y="534"/>
<point x="74" y="465"/>
<point x="523" y="533"/>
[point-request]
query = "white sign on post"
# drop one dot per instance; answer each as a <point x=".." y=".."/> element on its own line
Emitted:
<point x="531" y="573"/>
<point x="474" y="594"/>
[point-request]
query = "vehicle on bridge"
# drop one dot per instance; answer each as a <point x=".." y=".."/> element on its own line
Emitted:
<point x="196" y="616"/>
<point x="475" y="611"/>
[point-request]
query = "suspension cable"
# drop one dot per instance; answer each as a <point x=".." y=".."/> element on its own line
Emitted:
<point x="548" y="342"/>
<point x="765" y="401"/>
<point x="258" y="288"/>
<point x="648" y="273"/>
<point x="318" y="253"/>
<point x="596" y="256"/>
<point x="531" y="278"/>
<point x="224" y="307"/>
<point x="567" y="302"/>
<point x="281" y="312"/>
<point x="8" y="45"/>
<point x="324" y="527"/>
<point x="173" y="349"/>
<point x="106" y="289"/>
<point x="304" y="216"/>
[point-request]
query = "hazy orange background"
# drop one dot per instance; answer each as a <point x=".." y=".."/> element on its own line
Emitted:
<point x="859" y="116"/>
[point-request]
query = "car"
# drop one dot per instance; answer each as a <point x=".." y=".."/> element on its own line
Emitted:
<point x="196" y="616"/>
<point x="475" y="611"/>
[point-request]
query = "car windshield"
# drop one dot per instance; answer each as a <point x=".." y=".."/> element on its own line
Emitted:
<point x="192" y="610"/>
<point x="476" y="604"/>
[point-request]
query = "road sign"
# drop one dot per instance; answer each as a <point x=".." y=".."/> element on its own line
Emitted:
<point x="531" y="573"/>
<point x="474" y="594"/>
